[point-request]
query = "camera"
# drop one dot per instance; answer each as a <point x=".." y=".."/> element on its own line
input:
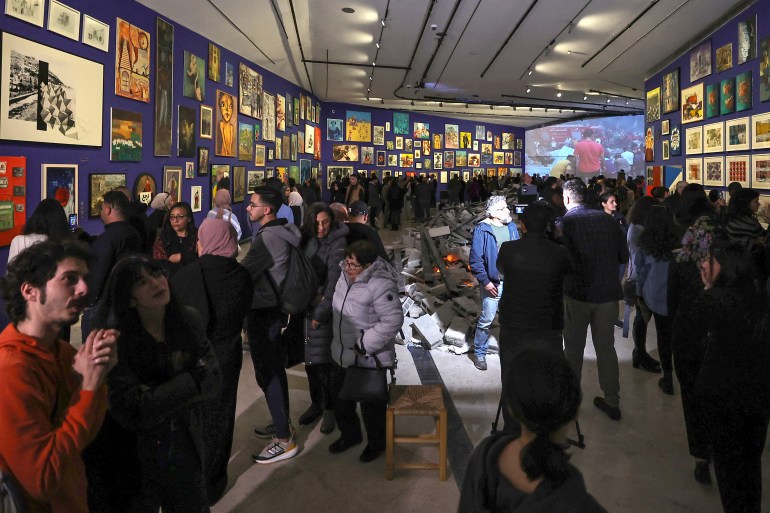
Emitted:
<point x="519" y="209"/>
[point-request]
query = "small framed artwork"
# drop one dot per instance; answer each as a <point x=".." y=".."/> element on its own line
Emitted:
<point x="747" y="39"/>
<point x="399" y="142"/>
<point x="64" y="20"/>
<point x="259" y="155"/>
<point x="393" y="160"/>
<point x="98" y="185"/>
<point x="389" y="145"/>
<point x="665" y="127"/>
<point x="760" y="131"/>
<point x="31" y="12"/>
<point x="214" y="63"/>
<point x="207" y="122"/>
<point x="367" y="155"/>
<point x="95" y="33"/>
<point x="666" y="150"/>
<point x="417" y="154"/>
<point x="760" y="171"/>
<point x="145" y="188"/>
<point x="694" y="170"/>
<point x="737" y="134"/>
<point x="466" y="175"/>
<point x="269" y="172"/>
<point x="649" y="145"/>
<point x="700" y="61"/>
<point x="189" y="169"/>
<point x="345" y="153"/>
<point x="172" y="178"/>
<point x="286" y="147"/>
<point x="714" y="138"/>
<point x="186" y="132"/>
<point x="381" y="158"/>
<point x="406" y="160"/>
<point x="196" y="198"/>
<point x="714" y="171"/>
<point x="670" y="91"/>
<point x="676" y="139"/>
<point x="737" y="169"/>
<point x="270" y="155"/>
<point x="712" y="100"/>
<point x="125" y="136"/>
<point x="727" y="96"/>
<point x="279" y="148"/>
<point x="378" y="138"/>
<point x="60" y="181"/>
<point x="229" y="72"/>
<point x="425" y="147"/>
<point x="407" y="145"/>
<point x="724" y="57"/>
<point x="653" y="105"/>
<point x="245" y="141"/>
<point x="387" y="126"/>
<point x="255" y="178"/>
<point x="203" y="161"/>
<point x="239" y="183"/>
<point x="743" y="91"/>
<point x="692" y="104"/>
<point x="693" y="141"/>
<point x="334" y="129"/>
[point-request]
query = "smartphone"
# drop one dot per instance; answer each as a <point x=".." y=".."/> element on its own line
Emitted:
<point x="73" y="221"/>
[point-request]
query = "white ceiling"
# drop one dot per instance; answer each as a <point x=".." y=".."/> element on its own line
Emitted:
<point x="437" y="51"/>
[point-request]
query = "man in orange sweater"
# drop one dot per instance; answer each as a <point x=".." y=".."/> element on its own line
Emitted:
<point x="54" y="397"/>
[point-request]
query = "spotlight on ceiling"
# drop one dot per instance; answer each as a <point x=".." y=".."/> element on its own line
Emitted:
<point x="608" y="100"/>
<point x="626" y="102"/>
<point x="528" y="90"/>
<point x="529" y="73"/>
<point x="585" y="97"/>
<point x="383" y="22"/>
<point x="558" y="95"/>
<point x="377" y="44"/>
<point x="371" y="78"/>
<point x="374" y="64"/>
<point x="440" y="104"/>
<point x="412" y="103"/>
<point x="569" y="52"/>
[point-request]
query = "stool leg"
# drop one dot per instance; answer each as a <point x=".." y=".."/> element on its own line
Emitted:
<point x="442" y="447"/>
<point x="389" y="434"/>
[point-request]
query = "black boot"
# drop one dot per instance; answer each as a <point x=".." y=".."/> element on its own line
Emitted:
<point x="643" y="360"/>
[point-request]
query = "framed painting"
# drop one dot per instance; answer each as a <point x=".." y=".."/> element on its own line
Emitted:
<point x="694" y="170"/>
<point x="408" y="145"/>
<point x="438" y="141"/>
<point x="229" y="74"/>
<point x="358" y="126"/>
<point x="60" y="182"/>
<point x="747" y="39"/>
<point x="97" y="34"/>
<point x="334" y="130"/>
<point x="451" y="136"/>
<point x="666" y="150"/>
<point x="743" y="91"/>
<point x="727" y="96"/>
<point x="294" y="147"/>
<point x="694" y="141"/>
<point x="203" y="161"/>
<point x="378" y="136"/>
<point x="670" y="91"/>
<point x="172" y="180"/>
<point x="76" y="94"/>
<point x="186" y="131"/>
<point x="737" y="169"/>
<point x="649" y="145"/>
<point x="225" y="143"/>
<point x="334" y="173"/>
<point x="449" y="159"/>
<point x="214" y="62"/>
<point x="268" y="117"/>
<point x="249" y="92"/>
<point x="207" y="122"/>
<point x="474" y="160"/>
<point x="692" y="104"/>
<point x="461" y="158"/>
<point x="189" y="169"/>
<point x="714" y="138"/>
<point x="712" y="100"/>
<point x="257" y="130"/>
<point x="278" y="148"/>
<point x="63" y="20"/>
<point x="516" y="158"/>
<point x="310" y="139"/>
<point x="381" y="158"/>
<point x="400" y="123"/>
<point x="486" y="154"/>
<point x="145" y="188"/>
<point x="498" y="158"/>
<point x="760" y="171"/>
<point x="764" y="71"/>
<point x="425" y="147"/>
<point x="465" y="140"/>
<point x="125" y="136"/>
<point x="481" y="131"/>
<point x="406" y="160"/>
<point x="259" y="155"/>
<point x="31" y="12"/>
<point x="194" y="79"/>
<point x="724" y="57"/>
<point x="700" y="61"/>
<point x="245" y="141"/>
<point x="509" y="141"/>
<point x="164" y="86"/>
<point x="665" y="127"/>
<point x="289" y="110"/>
<point x="296" y="111"/>
<point x="421" y="130"/>
<point x="239" y="183"/>
<point x="489" y="139"/>
<point x="98" y="185"/>
<point x="399" y="142"/>
<point x="760" y="131"/>
<point x="737" y="134"/>
<point x="220" y="178"/>
<point x="255" y="178"/>
<point x="393" y="160"/>
<point x="438" y="160"/>
<point x="132" y="62"/>
<point x="280" y="113"/>
<point x="304" y="170"/>
<point x="345" y="153"/>
<point x="367" y="155"/>
<point x="714" y="171"/>
<point x="653" y="105"/>
<point x="196" y="198"/>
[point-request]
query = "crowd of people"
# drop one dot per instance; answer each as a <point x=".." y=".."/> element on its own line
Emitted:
<point x="141" y="416"/>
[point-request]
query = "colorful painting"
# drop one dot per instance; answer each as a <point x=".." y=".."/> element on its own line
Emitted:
<point x="670" y="91"/>
<point x="465" y="140"/>
<point x="226" y="125"/>
<point x="316" y="142"/>
<point x="186" y="131"/>
<point x="255" y="180"/>
<point x="245" y="141"/>
<point x="712" y="100"/>
<point x="203" y="161"/>
<point x="700" y="61"/>
<point x="406" y="160"/>
<point x="164" y="85"/>
<point x="289" y="110"/>
<point x="296" y="111"/>
<point x="694" y="170"/>
<point x="727" y="96"/>
<point x="653" y="105"/>
<point x="737" y="169"/>
<point x="334" y="129"/>
<point x="250" y="92"/>
<point x="737" y="134"/>
<point x="486" y="153"/>
<point x="421" y="130"/>
<point x="509" y="141"/>
<point x="196" y="198"/>
<point x="132" y="62"/>
<point x="378" y="139"/>
<point x="743" y="91"/>
<point x="400" y="123"/>
<point x="676" y="139"/>
<point x="309" y="139"/>
<point x="449" y="159"/>
<point x="268" y="117"/>
<point x="714" y="171"/>
<point x="194" y="81"/>
<point x="692" y="104"/>
<point x="126" y="136"/>
<point x="358" y="126"/>
<point x="280" y="113"/>
<point x="60" y="182"/>
<point x="760" y="176"/>
<point x="474" y="160"/>
<point x="747" y="39"/>
<point x="451" y="136"/>
<point x="145" y="188"/>
<point x="760" y="131"/>
<point x="345" y="153"/>
<point x="764" y="70"/>
<point x="381" y="158"/>
<point x="172" y="180"/>
<point x="214" y="62"/>
<point x="724" y="57"/>
<point x="98" y="185"/>
<point x="461" y="158"/>
<point x="70" y="105"/>
<point x="367" y="155"/>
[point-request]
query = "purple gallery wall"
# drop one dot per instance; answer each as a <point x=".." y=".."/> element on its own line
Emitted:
<point x="727" y="33"/>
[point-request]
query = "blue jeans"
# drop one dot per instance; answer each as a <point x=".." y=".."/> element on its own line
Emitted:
<point x="487" y="315"/>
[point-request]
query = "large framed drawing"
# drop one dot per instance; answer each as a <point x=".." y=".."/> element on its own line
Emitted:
<point x="653" y="105"/>
<point x="714" y="138"/>
<point x="132" y="62"/>
<point x="250" y="91"/>
<point x="760" y="131"/>
<point x="737" y="134"/>
<point x="60" y="182"/>
<point x="268" y="117"/>
<point x="164" y="87"/>
<point x="31" y="12"/>
<point x="70" y="99"/>
<point x="700" y="61"/>
<point x="738" y="169"/>
<point x="670" y="91"/>
<point x="226" y="125"/>
<point x="714" y="171"/>
<point x="692" y="104"/>
<point x="98" y="185"/>
<point x="126" y="139"/>
<point x="194" y="80"/>
<point x="64" y="20"/>
<point x="95" y="33"/>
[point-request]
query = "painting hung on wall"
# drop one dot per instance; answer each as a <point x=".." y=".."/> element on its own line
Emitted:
<point x="743" y="91"/>
<point x="438" y="141"/>
<point x="724" y="57"/>
<point x="226" y="125"/>
<point x="145" y="188"/>
<point x="345" y="153"/>
<point x="31" y="12"/>
<point x="737" y="134"/>
<point x="358" y="126"/>
<point x="164" y="87"/>
<point x="400" y="123"/>
<point x="406" y="160"/>
<point x="132" y="62"/>
<point x="451" y="136"/>
<point x="727" y="96"/>
<point x="296" y="111"/>
<point x="194" y="79"/>
<point x="259" y="155"/>
<point x="286" y="147"/>
<point x="255" y="180"/>
<point x="239" y="183"/>
<point x="257" y="131"/>
<point x="245" y="141"/>
<point x="694" y="141"/>
<point x="764" y="70"/>
<point x="289" y="110"/>
<point x="75" y="95"/>
<point x="465" y="140"/>
<point x="692" y="104"/>
<point x="60" y="182"/>
<point x="250" y="92"/>
<point x="700" y="61"/>
<point x="694" y="170"/>
<point x="714" y="171"/>
<point x="203" y="160"/>
<point x="509" y="141"/>
<point x="126" y="136"/>
<point x="474" y="159"/>
<point x="280" y="113"/>
<point x="378" y="136"/>
<point x="737" y="169"/>
<point x="278" y="148"/>
<point x="760" y="171"/>
<point x="196" y="198"/>
<point x="760" y="131"/>
<point x="309" y="140"/>
<point x="461" y="158"/>
<point x="649" y="146"/>
<point x="316" y="142"/>
<point x="393" y="160"/>
<point x="421" y="130"/>
<point x="268" y="117"/>
<point x="747" y="39"/>
<point x="653" y="105"/>
<point x="714" y="138"/>
<point x="676" y="139"/>
<point x="207" y="122"/>
<point x="367" y="155"/>
<point x="63" y="20"/>
<point x="712" y="100"/>
<point x="214" y="62"/>
<point x="294" y="147"/>
<point x="333" y="129"/>
<point x="229" y="74"/>
<point x="98" y="185"/>
<point x="670" y="91"/>
<point x="172" y="182"/>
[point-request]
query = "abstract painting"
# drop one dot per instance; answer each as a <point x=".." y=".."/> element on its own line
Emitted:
<point x="126" y="136"/>
<point x="239" y="183"/>
<point x="268" y="117"/>
<point x="747" y="39"/>
<point x="358" y="126"/>
<point x="95" y="33"/>
<point x="712" y="100"/>
<point x="214" y="62"/>
<point x="250" y="91"/>
<point x="421" y="130"/>
<point x="164" y="87"/>
<point x="280" y="113"/>
<point x="727" y="96"/>
<point x="700" y="61"/>
<point x="186" y="131"/>
<point x="194" y="81"/>
<point x="345" y="153"/>
<point x="63" y="20"/>
<point x="676" y="139"/>
<point x="400" y="123"/>
<point x="226" y="125"/>
<point x="132" y="62"/>
<point x="692" y="104"/>
<point x="737" y="134"/>
<point x="653" y="105"/>
<point x="60" y="182"/>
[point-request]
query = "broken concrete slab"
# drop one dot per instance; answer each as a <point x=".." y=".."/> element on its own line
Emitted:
<point x="457" y="333"/>
<point x="428" y="328"/>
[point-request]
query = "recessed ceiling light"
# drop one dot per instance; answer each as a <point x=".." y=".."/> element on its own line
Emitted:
<point x="558" y="95"/>
<point x="528" y="90"/>
<point x="348" y="10"/>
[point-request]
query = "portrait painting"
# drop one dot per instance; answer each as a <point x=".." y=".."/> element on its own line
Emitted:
<point x="164" y="85"/>
<point x="145" y="188"/>
<point x="172" y="180"/>
<point x="203" y="160"/>
<point x="367" y="155"/>
<point x="334" y="129"/>
<point x="194" y="80"/>
<point x="207" y="122"/>
<point x="186" y="131"/>
<point x="132" y="62"/>
<point x="250" y="92"/>
<point x="465" y="140"/>
<point x="196" y="198"/>
<point x="225" y="145"/>
<point x="126" y="136"/>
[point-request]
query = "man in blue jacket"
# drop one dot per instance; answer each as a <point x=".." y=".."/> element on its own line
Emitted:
<point x="488" y="236"/>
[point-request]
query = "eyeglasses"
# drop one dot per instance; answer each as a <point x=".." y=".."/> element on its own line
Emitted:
<point x="352" y="265"/>
<point x="177" y="217"/>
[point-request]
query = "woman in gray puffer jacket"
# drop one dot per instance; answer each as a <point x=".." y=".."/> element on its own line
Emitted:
<point x="323" y="241"/>
<point x="367" y="316"/>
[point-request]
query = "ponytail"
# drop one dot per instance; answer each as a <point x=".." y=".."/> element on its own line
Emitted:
<point x="543" y="458"/>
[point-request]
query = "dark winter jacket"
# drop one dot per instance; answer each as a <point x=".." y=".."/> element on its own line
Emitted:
<point x="484" y="252"/>
<point x="396" y="195"/>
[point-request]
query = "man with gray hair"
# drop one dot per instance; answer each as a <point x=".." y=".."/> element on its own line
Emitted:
<point x="488" y="236"/>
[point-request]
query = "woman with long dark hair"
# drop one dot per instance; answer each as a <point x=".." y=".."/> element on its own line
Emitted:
<point x="744" y="228"/>
<point x="48" y="221"/>
<point x="177" y="242"/>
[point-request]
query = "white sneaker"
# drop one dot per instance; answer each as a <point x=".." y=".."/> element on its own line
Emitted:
<point x="276" y="451"/>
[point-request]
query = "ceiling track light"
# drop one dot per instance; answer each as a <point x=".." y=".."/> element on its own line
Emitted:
<point x="383" y="22"/>
<point x="412" y="103"/>
<point x="608" y="100"/>
<point x="528" y="90"/>
<point x="585" y="97"/>
<point x="558" y="95"/>
<point x="530" y="109"/>
<point x="440" y="104"/>
<point x="626" y="102"/>
<point x="529" y="73"/>
<point x="377" y="44"/>
<point x="491" y="107"/>
<point x="374" y="64"/>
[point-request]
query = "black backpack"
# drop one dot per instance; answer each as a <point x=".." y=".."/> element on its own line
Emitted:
<point x="300" y="286"/>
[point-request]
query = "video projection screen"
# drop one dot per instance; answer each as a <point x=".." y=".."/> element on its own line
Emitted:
<point x="621" y="137"/>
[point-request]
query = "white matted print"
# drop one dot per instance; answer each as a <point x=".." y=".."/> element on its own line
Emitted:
<point x="737" y="169"/>
<point x="694" y="141"/>
<point x="760" y="131"/>
<point x="714" y="138"/>
<point x="196" y="198"/>
<point x="737" y="134"/>
<point x="760" y="171"/>
<point x="95" y="33"/>
<point x="694" y="170"/>
<point x="714" y="171"/>
<point x="64" y="20"/>
<point x="31" y="12"/>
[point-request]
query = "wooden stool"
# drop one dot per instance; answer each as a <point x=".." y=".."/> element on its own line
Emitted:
<point x="416" y="401"/>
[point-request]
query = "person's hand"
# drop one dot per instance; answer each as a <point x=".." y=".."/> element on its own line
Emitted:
<point x="315" y="324"/>
<point x="96" y="358"/>
<point x="175" y="258"/>
<point x="491" y="288"/>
